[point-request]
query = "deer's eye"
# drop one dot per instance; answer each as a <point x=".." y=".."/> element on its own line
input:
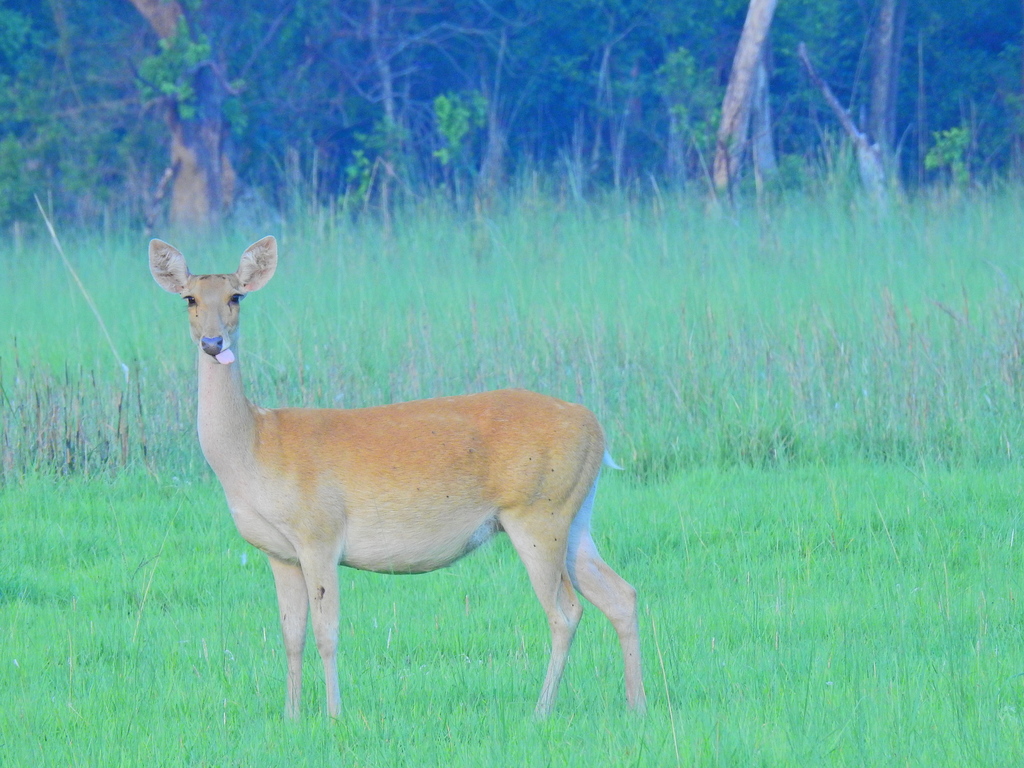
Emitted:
<point x="191" y="300"/>
<point x="237" y="298"/>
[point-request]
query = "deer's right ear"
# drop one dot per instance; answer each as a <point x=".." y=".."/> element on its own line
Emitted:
<point x="168" y="266"/>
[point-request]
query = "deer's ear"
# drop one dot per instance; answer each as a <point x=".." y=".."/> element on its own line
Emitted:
<point x="168" y="266"/>
<point x="258" y="264"/>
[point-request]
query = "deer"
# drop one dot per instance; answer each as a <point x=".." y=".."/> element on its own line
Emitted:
<point x="400" y="488"/>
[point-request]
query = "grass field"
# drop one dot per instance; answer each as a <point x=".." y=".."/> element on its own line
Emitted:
<point x="852" y="615"/>
<point x="819" y="414"/>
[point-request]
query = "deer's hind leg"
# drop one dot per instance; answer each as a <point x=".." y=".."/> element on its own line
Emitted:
<point x="543" y="553"/>
<point x="611" y="594"/>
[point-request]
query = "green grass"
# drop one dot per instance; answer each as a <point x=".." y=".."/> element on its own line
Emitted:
<point x="819" y="410"/>
<point x="851" y="615"/>
<point x="820" y="333"/>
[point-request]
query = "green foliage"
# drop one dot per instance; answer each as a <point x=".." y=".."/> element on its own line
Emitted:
<point x="694" y="97"/>
<point x="360" y="175"/>
<point x="694" y="106"/>
<point x="235" y="113"/>
<point x="15" y="198"/>
<point x="377" y="152"/>
<point x="950" y="151"/>
<point x="19" y="58"/>
<point x="171" y="73"/>
<point x="69" y="130"/>
<point x="456" y="116"/>
<point x="17" y="40"/>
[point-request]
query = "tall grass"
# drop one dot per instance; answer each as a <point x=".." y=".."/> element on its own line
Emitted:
<point x="814" y="331"/>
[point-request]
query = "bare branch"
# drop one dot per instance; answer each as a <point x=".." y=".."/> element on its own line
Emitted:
<point x="869" y="155"/>
<point x="856" y="135"/>
<point x="271" y="32"/>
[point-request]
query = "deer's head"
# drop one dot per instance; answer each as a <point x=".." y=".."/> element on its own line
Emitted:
<point x="213" y="299"/>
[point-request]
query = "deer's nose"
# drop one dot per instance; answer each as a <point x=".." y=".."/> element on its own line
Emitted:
<point x="212" y="345"/>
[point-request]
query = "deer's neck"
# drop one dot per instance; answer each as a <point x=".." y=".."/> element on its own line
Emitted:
<point x="227" y="420"/>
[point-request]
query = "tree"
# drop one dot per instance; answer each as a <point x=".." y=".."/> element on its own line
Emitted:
<point x="762" y="145"/>
<point x="887" y="36"/>
<point x="69" y="126"/>
<point x="192" y="85"/>
<point x="743" y="79"/>
<point x="394" y="52"/>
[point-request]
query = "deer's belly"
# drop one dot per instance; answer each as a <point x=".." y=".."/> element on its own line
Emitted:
<point x="389" y="547"/>
<point x="370" y="536"/>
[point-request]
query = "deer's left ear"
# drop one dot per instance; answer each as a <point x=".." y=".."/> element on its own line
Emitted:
<point x="168" y="266"/>
<point x="258" y="264"/>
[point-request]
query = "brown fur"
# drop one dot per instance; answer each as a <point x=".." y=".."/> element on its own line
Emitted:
<point x="402" y="488"/>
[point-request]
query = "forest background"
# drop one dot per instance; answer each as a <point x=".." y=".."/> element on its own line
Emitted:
<point x="195" y="108"/>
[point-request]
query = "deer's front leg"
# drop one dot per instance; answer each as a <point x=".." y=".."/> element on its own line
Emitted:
<point x="293" y="605"/>
<point x="321" y="574"/>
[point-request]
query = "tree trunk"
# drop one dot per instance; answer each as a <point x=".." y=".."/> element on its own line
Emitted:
<point x="675" y="151"/>
<point x="620" y="132"/>
<point x="885" y="50"/>
<point x="732" y="133"/>
<point x="386" y="76"/>
<point x="761" y="144"/>
<point x="602" y="104"/>
<point x="922" y="111"/>
<point x="1020" y="133"/>
<point x="203" y="178"/>
<point x="492" y="165"/>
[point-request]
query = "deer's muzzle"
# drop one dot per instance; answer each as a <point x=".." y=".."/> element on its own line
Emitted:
<point x="212" y="345"/>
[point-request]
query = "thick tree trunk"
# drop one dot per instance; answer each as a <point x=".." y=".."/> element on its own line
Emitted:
<point x="203" y="179"/>
<point x="885" y="51"/>
<point x="732" y="133"/>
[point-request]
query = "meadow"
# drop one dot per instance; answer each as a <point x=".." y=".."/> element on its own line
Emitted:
<point x="818" y="411"/>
